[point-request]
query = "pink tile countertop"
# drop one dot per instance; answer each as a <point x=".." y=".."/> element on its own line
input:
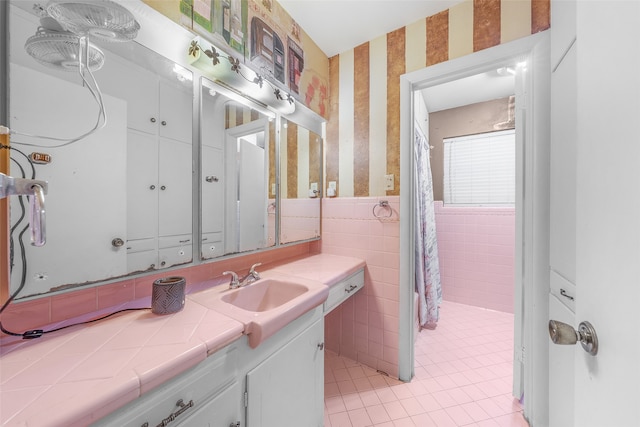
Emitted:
<point x="78" y="375"/>
<point x="326" y="268"/>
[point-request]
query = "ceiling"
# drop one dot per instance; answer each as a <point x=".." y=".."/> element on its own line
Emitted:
<point x="470" y="90"/>
<point x="337" y="26"/>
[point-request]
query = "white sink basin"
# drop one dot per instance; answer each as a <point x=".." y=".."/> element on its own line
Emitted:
<point x="265" y="306"/>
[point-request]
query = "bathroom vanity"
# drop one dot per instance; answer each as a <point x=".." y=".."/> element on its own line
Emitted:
<point x="211" y="364"/>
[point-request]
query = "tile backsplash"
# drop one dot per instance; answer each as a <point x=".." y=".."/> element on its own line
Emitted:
<point x="98" y="300"/>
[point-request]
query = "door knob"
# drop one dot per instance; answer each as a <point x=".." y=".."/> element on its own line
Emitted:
<point x="564" y="334"/>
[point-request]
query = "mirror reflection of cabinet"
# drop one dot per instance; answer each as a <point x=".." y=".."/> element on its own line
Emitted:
<point x="300" y="183"/>
<point x="159" y="164"/>
<point x="235" y="157"/>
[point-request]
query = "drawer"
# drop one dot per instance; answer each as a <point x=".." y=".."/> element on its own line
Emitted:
<point x="343" y="290"/>
<point x="225" y="409"/>
<point x="211" y="237"/>
<point x="208" y="379"/>
<point x="212" y="245"/>
<point x="174" y="241"/>
<point x="140" y="245"/>
<point x="174" y="256"/>
<point x="142" y="261"/>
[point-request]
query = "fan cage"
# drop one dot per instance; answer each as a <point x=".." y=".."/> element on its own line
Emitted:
<point x="102" y="19"/>
<point x="62" y="51"/>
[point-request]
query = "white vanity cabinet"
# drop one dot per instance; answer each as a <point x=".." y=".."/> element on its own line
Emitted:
<point x="288" y="387"/>
<point x="206" y="395"/>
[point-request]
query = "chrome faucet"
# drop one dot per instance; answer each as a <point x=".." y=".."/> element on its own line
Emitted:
<point x="251" y="277"/>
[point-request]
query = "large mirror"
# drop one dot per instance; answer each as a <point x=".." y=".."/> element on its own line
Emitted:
<point x="300" y="182"/>
<point x="120" y="199"/>
<point x="237" y="165"/>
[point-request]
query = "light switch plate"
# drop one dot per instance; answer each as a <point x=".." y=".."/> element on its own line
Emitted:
<point x="273" y="189"/>
<point x="314" y="186"/>
<point x="332" y="185"/>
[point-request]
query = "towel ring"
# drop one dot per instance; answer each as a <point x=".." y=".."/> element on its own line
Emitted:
<point x="382" y="204"/>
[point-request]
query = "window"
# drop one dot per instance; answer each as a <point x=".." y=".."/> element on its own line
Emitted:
<point x="480" y="169"/>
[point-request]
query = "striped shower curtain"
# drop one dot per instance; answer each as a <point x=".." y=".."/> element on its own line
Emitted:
<point x="427" y="265"/>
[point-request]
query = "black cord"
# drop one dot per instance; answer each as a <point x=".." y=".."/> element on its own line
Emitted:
<point x="37" y="333"/>
<point x="23" y="254"/>
<point x="34" y="333"/>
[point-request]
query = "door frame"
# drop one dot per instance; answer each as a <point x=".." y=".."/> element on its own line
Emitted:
<point x="532" y="210"/>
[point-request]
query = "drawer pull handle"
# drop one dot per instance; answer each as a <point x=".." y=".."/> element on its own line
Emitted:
<point x="350" y="289"/>
<point x="566" y="295"/>
<point x="183" y="407"/>
<point x="184" y="241"/>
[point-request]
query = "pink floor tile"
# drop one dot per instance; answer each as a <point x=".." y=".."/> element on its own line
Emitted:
<point x="340" y="419"/>
<point x="395" y="410"/>
<point x="352" y="401"/>
<point x="334" y="405"/>
<point x="360" y="418"/>
<point x="404" y="422"/>
<point x="378" y="414"/>
<point x="462" y="378"/>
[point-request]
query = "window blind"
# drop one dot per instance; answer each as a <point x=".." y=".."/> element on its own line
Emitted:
<point x="480" y="169"/>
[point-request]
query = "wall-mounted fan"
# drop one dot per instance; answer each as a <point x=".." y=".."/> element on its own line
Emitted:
<point x="62" y="42"/>
<point x="63" y="50"/>
<point x="66" y="25"/>
<point x="101" y="19"/>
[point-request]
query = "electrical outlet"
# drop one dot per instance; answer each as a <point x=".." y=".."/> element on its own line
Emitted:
<point x="389" y="182"/>
<point x="273" y="189"/>
<point x="314" y="186"/>
<point x="333" y="185"/>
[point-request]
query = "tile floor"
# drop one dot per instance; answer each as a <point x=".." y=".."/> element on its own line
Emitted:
<point x="462" y="378"/>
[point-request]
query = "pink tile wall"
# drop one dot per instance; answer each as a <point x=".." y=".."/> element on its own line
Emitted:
<point x="99" y="300"/>
<point x="477" y="252"/>
<point x="300" y="219"/>
<point x="365" y="327"/>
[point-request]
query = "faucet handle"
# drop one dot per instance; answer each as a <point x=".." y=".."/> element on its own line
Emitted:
<point x="253" y="271"/>
<point x="234" y="279"/>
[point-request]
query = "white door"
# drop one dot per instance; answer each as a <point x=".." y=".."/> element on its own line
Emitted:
<point x="252" y="206"/>
<point x="606" y="386"/>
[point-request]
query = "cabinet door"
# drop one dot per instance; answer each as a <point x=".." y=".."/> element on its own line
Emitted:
<point x="175" y="189"/>
<point x="139" y="88"/>
<point x="224" y="410"/>
<point x="288" y="387"/>
<point x="142" y="185"/>
<point x="176" y="105"/>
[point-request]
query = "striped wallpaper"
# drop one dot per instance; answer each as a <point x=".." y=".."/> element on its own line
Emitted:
<point x="363" y="129"/>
